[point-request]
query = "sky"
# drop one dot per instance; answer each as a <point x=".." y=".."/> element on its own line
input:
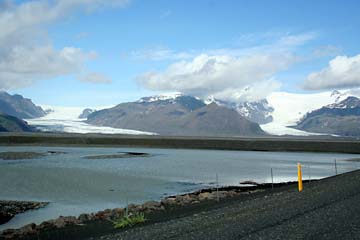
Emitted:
<point x="91" y="53"/>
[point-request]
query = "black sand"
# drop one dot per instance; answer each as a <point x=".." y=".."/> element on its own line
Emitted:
<point x="327" y="209"/>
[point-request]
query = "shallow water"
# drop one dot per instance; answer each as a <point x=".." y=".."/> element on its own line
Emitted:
<point x="74" y="185"/>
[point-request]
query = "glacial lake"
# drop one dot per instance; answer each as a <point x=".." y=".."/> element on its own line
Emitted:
<point x="74" y="185"/>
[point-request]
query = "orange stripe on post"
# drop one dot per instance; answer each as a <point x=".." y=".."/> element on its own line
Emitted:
<point x="300" y="184"/>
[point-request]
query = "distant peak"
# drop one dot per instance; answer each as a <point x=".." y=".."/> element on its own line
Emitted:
<point x="335" y="93"/>
<point x="349" y="102"/>
<point x="161" y="97"/>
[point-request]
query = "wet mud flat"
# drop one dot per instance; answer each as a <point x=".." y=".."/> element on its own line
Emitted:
<point x="27" y="155"/>
<point x="119" y="155"/>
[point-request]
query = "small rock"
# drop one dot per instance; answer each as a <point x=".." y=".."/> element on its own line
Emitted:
<point x="28" y="229"/>
<point x="117" y="213"/>
<point x="168" y="201"/>
<point x="151" y="205"/>
<point x="45" y="225"/>
<point x="64" y="221"/>
<point x="131" y="206"/>
<point x="8" y="234"/>
<point x="204" y="196"/>
<point x="84" y="217"/>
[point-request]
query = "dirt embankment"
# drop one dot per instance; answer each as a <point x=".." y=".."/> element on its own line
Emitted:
<point x="299" y="144"/>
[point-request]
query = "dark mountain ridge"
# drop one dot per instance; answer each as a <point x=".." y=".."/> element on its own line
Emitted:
<point x="13" y="124"/>
<point x="340" y="118"/>
<point x="181" y="115"/>
<point x="18" y="106"/>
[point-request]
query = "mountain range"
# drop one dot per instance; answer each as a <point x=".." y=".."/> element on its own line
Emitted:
<point x="176" y="115"/>
<point x="13" y="124"/>
<point x="335" y="113"/>
<point x="14" y="108"/>
<point x="256" y="111"/>
<point x="20" y="107"/>
<point x="341" y="118"/>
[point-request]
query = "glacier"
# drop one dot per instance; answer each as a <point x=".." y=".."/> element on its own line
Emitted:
<point x="66" y="119"/>
<point x="289" y="108"/>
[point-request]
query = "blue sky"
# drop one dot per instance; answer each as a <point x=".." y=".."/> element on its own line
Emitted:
<point x="101" y="53"/>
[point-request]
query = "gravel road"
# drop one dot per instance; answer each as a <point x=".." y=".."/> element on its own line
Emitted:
<point x="326" y="209"/>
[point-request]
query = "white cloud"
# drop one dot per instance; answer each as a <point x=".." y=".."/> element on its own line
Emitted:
<point x="34" y="13"/>
<point x="159" y="53"/>
<point x="22" y="66"/>
<point x="282" y="44"/>
<point x="327" y="50"/>
<point x="342" y="72"/>
<point x="252" y="92"/>
<point x="82" y="35"/>
<point x="235" y="74"/>
<point x="298" y="39"/>
<point x="26" y="54"/>
<point x="95" y="77"/>
<point x="234" y="78"/>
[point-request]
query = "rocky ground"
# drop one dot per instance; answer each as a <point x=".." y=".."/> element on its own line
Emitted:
<point x="8" y="209"/>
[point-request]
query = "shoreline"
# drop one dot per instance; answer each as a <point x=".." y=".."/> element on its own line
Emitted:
<point x="154" y="210"/>
<point x="266" y="213"/>
<point x="9" y="209"/>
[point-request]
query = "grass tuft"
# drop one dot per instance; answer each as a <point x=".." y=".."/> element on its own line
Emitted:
<point x="130" y="220"/>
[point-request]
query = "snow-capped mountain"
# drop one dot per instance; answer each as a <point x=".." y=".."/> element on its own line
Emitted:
<point x="340" y="118"/>
<point x="290" y="108"/>
<point x="349" y="103"/>
<point x="86" y="112"/>
<point x="160" y="97"/>
<point x="257" y="111"/>
<point x="179" y="115"/>
<point x="277" y="114"/>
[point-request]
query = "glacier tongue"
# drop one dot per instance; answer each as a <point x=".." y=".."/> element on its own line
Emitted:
<point x="289" y="108"/>
<point x="66" y="119"/>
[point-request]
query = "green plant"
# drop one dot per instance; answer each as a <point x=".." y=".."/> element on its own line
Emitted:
<point x="128" y="221"/>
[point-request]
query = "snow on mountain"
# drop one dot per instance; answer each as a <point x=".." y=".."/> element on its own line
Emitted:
<point x="257" y="111"/>
<point x="276" y="114"/>
<point x="349" y="102"/>
<point x="289" y="108"/>
<point x="161" y="97"/>
<point x="66" y="119"/>
<point x="341" y="118"/>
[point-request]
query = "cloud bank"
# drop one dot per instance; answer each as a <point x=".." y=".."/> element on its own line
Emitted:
<point x="95" y="77"/>
<point x="233" y="74"/>
<point x="342" y="72"/>
<point x="26" y="54"/>
<point x="225" y="77"/>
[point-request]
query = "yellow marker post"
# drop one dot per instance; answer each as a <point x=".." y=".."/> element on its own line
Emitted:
<point x="300" y="185"/>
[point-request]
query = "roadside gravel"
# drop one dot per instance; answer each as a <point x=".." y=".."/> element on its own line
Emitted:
<point x="327" y="209"/>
